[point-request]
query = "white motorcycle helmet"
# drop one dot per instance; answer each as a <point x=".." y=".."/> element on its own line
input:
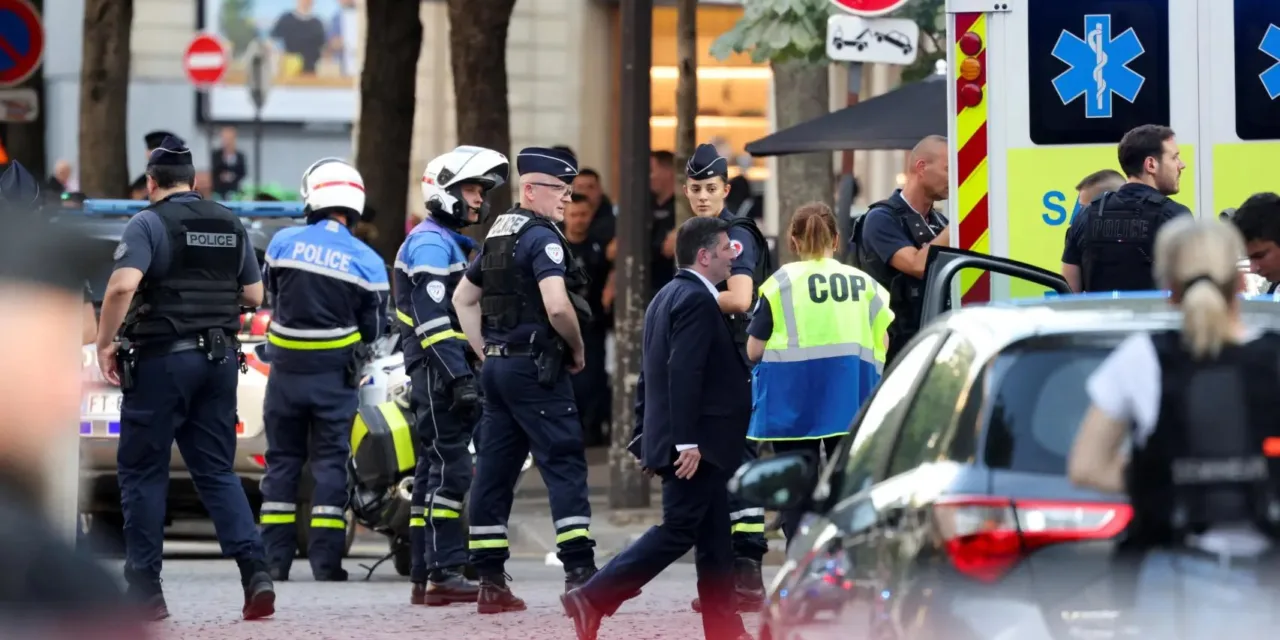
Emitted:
<point x="332" y="183"/>
<point x="443" y="179"/>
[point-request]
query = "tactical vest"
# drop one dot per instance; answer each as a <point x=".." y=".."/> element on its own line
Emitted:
<point x="1118" y="242"/>
<point x="1212" y="457"/>
<point x="510" y="295"/>
<point x="201" y="290"/>
<point x="738" y="322"/>
<point x="906" y="293"/>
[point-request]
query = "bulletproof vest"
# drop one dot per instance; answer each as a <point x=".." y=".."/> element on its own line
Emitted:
<point x="201" y="289"/>
<point x="906" y="293"/>
<point x="1211" y="459"/>
<point x="738" y="322"/>
<point x="510" y="295"/>
<point x="1118" y="242"/>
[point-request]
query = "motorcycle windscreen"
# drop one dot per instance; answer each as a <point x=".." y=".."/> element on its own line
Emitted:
<point x="382" y="445"/>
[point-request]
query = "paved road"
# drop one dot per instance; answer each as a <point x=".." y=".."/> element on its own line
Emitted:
<point x="204" y="597"/>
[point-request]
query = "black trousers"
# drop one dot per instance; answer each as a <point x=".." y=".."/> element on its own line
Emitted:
<point x="791" y="517"/>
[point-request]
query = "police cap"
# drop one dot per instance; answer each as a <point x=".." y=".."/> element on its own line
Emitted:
<point x="18" y="188"/>
<point x="552" y="162"/>
<point x="154" y="138"/>
<point x="172" y="152"/>
<point x="706" y="163"/>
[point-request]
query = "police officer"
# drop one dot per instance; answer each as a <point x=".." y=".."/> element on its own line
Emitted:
<point x="1109" y="246"/>
<point x="329" y="294"/>
<point x="892" y="239"/>
<point x="1198" y="405"/>
<point x="591" y="385"/>
<point x="183" y="269"/>
<point x="517" y="307"/>
<point x="706" y="186"/>
<point x="445" y="392"/>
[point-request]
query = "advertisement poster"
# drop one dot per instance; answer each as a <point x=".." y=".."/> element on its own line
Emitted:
<point x="312" y="60"/>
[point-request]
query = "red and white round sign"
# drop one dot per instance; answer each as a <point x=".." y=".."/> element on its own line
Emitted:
<point x="868" y="8"/>
<point x="205" y="60"/>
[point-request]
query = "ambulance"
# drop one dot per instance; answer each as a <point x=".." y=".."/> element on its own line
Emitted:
<point x="1042" y="91"/>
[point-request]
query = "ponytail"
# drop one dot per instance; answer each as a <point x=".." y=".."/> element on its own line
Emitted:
<point x="1206" y="319"/>
<point x="1196" y="260"/>
<point x="813" y="231"/>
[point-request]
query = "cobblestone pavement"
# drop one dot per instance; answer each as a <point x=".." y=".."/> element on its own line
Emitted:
<point x="204" y="598"/>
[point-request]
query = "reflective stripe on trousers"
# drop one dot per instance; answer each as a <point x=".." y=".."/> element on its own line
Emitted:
<point x="439" y="508"/>
<point x="750" y="520"/>
<point x="490" y="537"/>
<point x="278" y="513"/>
<point x="329" y="517"/>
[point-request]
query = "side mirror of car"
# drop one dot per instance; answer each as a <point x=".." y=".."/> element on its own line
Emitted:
<point x="778" y="483"/>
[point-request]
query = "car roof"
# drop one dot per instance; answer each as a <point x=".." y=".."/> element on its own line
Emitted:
<point x="111" y="229"/>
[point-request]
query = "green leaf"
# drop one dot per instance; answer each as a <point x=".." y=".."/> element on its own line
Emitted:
<point x="778" y="35"/>
<point x="726" y="44"/>
<point x="780" y="7"/>
<point x="804" y="39"/>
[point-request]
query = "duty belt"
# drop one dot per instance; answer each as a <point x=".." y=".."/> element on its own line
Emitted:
<point x="166" y="348"/>
<point x="511" y="351"/>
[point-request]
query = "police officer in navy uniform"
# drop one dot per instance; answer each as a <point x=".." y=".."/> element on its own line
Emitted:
<point x="329" y="297"/>
<point x="707" y="186"/>
<point x="444" y="391"/>
<point x="184" y="267"/>
<point x="517" y="307"/>
<point x="1110" y="244"/>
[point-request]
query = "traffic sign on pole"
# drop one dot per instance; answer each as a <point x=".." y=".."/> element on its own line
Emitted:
<point x="868" y="8"/>
<point x="21" y="41"/>
<point x="205" y="60"/>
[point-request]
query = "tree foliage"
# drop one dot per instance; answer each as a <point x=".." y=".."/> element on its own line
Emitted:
<point x="929" y="14"/>
<point x="778" y="31"/>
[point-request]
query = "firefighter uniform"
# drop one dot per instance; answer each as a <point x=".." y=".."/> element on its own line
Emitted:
<point x="329" y="294"/>
<point x="444" y="390"/>
<point x="521" y="412"/>
<point x="179" y="369"/>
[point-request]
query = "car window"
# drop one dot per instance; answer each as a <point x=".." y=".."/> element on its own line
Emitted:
<point x="874" y="436"/>
<point x="1038" y="403"/>
<point x="935" y="406"/>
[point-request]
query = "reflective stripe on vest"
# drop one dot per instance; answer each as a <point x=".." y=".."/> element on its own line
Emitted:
<point x="826" y="352"/>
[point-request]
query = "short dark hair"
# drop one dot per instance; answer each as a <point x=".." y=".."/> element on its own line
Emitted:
<point x="169" y="176"/>
<point x="578" y="198"/>
<point x="588" y="172"/>
<point x="664" y="157"/>
<point x="696" y="234"/>
<point x="1099" y="177"/>
<point x="1259" y="218"/>
<point x="1140" y="143"/>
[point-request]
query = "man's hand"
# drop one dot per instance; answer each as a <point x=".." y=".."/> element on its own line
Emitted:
<point x="466" y="398"/>
<point x="687" y="463"/>
<point x="107" y="363"/>
<point x="579" y="361"/>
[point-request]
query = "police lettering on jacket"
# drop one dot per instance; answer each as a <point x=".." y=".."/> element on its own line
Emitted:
<point x="1121" y="229"/>
<point x="321" y="256"/>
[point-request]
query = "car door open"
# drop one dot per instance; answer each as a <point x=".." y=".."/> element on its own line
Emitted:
<point x="945" y="263"/>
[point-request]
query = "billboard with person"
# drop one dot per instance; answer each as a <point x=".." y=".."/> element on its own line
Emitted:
<point x="312" y="58"/>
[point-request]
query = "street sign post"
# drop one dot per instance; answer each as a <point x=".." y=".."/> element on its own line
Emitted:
<point x="21" y="42"/>
<point x="869" y="8"/>
<point x="886" y="40"/>
<point x="261" y="75"/>
<point x="205" y="61"/>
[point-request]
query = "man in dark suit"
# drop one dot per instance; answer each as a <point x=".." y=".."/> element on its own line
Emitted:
<point x="695" y="398"/>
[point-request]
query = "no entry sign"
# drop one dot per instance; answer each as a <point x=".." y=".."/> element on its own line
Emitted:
<point x="21" y="41"/>
<point x="868" y="8"/>
<point x="205" y="60"/>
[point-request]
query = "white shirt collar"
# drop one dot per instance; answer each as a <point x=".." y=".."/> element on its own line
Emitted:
<point x="710" y="287"/>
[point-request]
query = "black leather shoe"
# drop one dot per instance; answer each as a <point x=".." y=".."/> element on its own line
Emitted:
<point x="496" y="597"/>
<point x="259" y="597"/>
<point x="449" y="586"/>
<point x="149" y="599"/>
<point x="586" y="619"/>
<point x="336" y="575"/>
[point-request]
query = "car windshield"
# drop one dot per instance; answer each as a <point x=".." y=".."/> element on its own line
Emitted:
<point x="1038" y="404"/>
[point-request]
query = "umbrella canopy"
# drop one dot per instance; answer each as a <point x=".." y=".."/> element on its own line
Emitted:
<point x="895" y="120"/>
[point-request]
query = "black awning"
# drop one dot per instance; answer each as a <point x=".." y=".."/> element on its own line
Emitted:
<point x="895" y="120"/>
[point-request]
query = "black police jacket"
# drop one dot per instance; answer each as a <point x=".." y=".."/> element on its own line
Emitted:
<point x="201" y="289"/>
<point x="509" y="293"/>
<point x="738" y="322"/>
<point x="1211" y="459"/>
<point x="1119" y="238"/>
<point x="906" y="293"/>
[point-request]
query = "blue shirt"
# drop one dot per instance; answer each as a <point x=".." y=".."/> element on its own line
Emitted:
<point x="427" y="270"/>
<point x="540" y="251"/>
<point x="745" y="245"/>
<point x="884" y="235"/>
<point x="144" y="245"/>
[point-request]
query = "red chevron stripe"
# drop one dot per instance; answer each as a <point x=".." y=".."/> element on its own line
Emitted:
<point x="972" y="154"/>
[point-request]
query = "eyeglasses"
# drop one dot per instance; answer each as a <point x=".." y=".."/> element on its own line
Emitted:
<point x="564" y="189"/>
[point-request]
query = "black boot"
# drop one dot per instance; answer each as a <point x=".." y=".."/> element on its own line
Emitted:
<point x="447" y="586"/>
<point x="749" y="584"/>
<point x="334" y="575"/>
<point x="574" y="578"/>
<point x="146" y="593"/>
<point x="496" y="597"/>
<point x="259" y="590"/>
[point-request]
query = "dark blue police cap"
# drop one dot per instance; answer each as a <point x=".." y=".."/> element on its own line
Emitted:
<point x="18" y="188"/>
<point x="552" y="162"/>
<point x="172" y="152"/>
<point x="706" y="163"/>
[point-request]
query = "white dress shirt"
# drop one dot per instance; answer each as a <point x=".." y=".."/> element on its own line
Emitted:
<point x="715" y="294"/>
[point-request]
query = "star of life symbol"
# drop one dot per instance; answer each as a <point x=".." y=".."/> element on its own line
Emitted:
<point x="1098" y="64"/>
<point x="1271" y="46"/>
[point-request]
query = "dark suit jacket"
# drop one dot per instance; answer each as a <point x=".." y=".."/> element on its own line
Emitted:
<point x="695" y="386"/>
<point x="227" y="175"/>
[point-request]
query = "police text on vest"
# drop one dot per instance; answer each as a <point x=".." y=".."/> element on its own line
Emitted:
<point x="211" y="240"/>
<point x="321" y="256"/>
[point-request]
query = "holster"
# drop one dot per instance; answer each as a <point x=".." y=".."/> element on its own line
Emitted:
<point x="360" y="355"/>
<point x="127" y="363"/>
<point x="550" y="362"/>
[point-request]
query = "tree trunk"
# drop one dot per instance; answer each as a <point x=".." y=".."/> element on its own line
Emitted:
<point x="477" y="55"/>
<point x="801" y="93"/>
<point x="104" y="98"/>
<point x="388" y="85"/>
<point x="26" y="142"/>
<point x="686" y="98"/>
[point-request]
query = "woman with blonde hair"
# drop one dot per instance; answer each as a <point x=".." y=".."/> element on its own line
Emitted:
<point x="1199" y="407"/>
<point x="819" y="332"/>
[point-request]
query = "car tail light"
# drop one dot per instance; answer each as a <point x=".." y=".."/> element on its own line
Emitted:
<point x="985" y="537"/>
<point x="259" y="460"/>
<point x="261" y="320"/>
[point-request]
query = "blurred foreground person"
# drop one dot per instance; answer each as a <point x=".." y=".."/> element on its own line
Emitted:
<point x="49" y="589"/>
<point x="1201" y="468"/>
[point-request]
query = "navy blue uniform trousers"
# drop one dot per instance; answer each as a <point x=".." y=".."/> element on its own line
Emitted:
<point x="746" y="520"/>
<point x="308" y="420"/>
<point x="522" y="416"/>
<point x="184" y="398"/>
<point x="695" y="514"/>
<point x="440" y="481"/>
